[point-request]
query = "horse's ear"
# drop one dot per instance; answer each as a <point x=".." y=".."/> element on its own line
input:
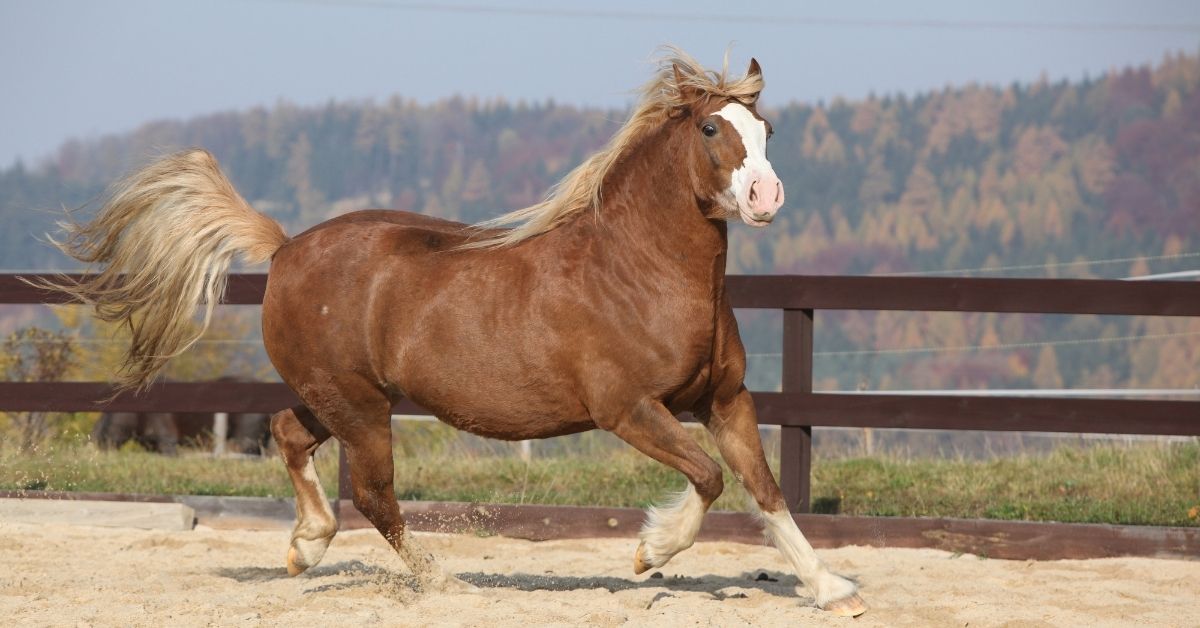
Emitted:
<point x="688" y="92"/>
<point x="679" y="80"/>
<point x="754" y="68"/>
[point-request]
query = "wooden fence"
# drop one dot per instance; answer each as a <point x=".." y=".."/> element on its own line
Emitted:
<point x="797" y="408"/>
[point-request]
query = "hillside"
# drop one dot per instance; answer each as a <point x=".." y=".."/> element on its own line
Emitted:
<point x="961" y="178"/>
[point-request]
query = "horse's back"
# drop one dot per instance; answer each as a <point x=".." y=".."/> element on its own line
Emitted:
<point x="324" y="279"/>
<point x="397" y="223"/>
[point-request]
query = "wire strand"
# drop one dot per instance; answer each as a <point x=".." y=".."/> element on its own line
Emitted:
<point x="997" y="347"/>
<point x="994" y="269"/>
<point x="769" y="20"/>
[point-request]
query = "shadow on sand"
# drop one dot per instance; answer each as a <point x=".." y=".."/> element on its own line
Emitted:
<point x="772" y="583"/>
<point x="355" y="574"/>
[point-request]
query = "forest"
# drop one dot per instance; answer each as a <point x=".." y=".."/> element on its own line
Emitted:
<point x="1092" y="178"/>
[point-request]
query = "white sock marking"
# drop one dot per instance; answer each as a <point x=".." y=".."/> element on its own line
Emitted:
<point x="672" y="527"/>
<point x="786" y="536"/>
<point x="315" y="523"/>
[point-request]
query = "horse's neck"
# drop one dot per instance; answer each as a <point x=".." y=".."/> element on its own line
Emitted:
<point x="650" y="218"/>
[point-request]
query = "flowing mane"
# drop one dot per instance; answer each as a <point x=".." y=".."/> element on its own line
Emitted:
<point x="680" y="82"/>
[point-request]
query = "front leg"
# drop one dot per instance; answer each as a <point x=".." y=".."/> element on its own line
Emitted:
<point x="672" y="527"/>
<point x="735" y="426"/>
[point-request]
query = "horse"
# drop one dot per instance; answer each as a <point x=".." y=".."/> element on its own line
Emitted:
<point x="602" y="307"/>
<point x="164" y="432"/>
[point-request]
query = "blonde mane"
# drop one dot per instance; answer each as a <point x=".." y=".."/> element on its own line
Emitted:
<point x="680" y="82"/>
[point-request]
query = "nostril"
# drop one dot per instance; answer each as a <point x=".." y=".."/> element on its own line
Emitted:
<point x="778" y="190"/>
<point x="754" y="191"/>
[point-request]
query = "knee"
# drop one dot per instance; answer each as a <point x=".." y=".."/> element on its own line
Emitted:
<point x="279" y="424"/>
<point x="371" y="500"/>
<point x="363" y="500"/>
<point x="290" y="436"/>
<point x="710" y="483"/>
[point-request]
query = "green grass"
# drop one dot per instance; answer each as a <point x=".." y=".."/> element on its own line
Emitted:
<point x="1147" y="483"/>
<point x="1144" y="484"/>
<point x="72" y="467"/>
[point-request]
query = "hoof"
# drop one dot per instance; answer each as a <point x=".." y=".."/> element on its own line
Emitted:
<point x="294" y="568"/>
<point x="305" y="553"/>
<point x="640" y="565"/>
<point x="852" y="606"/>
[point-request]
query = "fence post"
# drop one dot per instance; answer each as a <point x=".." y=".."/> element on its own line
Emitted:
<point x="795" y="442"/>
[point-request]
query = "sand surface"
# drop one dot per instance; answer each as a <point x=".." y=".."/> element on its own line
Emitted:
<point x="56" y="575"/>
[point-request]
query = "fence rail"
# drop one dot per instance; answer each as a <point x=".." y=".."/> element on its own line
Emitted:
<point x="797" y="408"/>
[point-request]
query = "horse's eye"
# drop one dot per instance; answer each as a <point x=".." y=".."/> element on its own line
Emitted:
<point x="709" y="130"/>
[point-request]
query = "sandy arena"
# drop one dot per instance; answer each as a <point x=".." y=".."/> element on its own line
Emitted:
<point x="55" y="575"/>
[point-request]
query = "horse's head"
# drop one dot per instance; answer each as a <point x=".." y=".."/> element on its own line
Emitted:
<point x="727" y="154"/>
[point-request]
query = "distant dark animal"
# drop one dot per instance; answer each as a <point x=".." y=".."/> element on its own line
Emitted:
<point x="604" y="307"/>
<point x="155" y="431"/>
<point x="164" y="432"/>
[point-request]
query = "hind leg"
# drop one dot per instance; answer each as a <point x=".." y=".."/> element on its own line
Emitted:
<point x="298" y="434"/>
<point x="359" y="416"/>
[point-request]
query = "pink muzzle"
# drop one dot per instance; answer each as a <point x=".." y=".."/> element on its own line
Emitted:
<point x="764" y="196"/>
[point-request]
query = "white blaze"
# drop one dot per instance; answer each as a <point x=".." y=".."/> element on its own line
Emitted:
<point x="754" y="140"/>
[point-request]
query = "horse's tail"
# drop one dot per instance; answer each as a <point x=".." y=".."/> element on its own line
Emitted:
<point x="165" y="240"/>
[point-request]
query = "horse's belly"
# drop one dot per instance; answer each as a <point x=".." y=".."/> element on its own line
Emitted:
<point x="690" y="393"/>
<point x="522" y="427"/>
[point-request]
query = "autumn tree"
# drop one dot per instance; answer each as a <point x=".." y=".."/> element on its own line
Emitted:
<point x="34" y="354"/>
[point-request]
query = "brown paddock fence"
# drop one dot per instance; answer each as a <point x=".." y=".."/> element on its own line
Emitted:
<point x="796" y="409"/>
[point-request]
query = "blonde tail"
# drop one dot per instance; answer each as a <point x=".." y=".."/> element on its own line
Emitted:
<point x="165" y="240"/>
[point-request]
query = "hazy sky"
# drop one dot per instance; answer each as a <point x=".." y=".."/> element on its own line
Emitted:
<point x="82" y="68"/>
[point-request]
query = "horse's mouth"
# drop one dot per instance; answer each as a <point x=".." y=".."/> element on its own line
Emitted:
<point x="754" y="221"/>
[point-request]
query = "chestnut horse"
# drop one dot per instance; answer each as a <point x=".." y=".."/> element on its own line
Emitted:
<point x="603" y="307"/>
